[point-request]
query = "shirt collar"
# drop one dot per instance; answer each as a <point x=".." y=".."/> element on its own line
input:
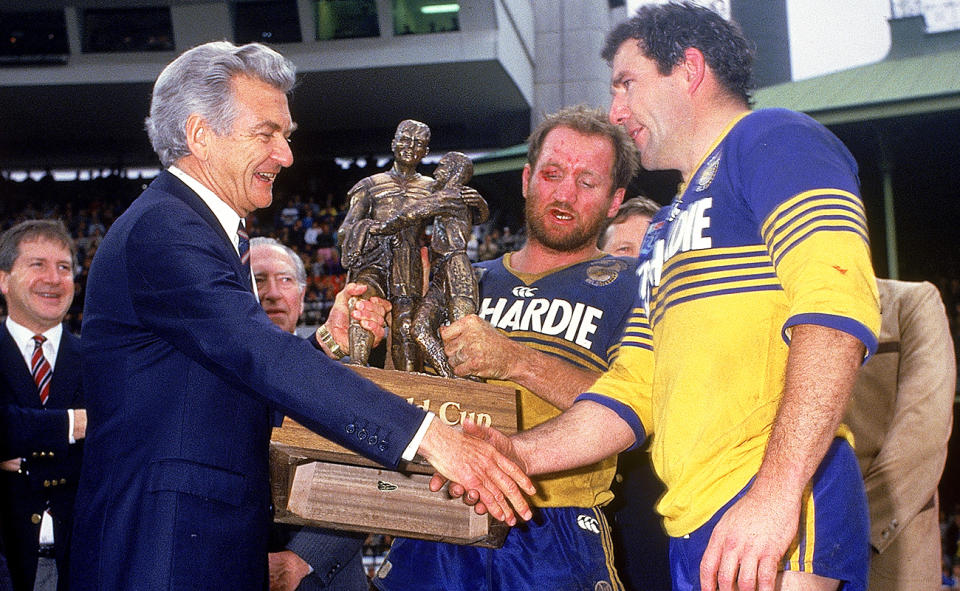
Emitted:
<point x="23" y="337"/>
<point x="225" y="214"/>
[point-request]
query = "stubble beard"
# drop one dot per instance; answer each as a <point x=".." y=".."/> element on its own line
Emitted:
<point x="571" y="240"/>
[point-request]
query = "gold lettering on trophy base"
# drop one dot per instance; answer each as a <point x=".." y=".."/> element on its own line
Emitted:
<point x="451" y="414"/>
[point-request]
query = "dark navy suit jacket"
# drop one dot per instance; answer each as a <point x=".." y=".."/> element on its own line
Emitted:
<point x="182" y="370"/>
<point x="50" y="468"/>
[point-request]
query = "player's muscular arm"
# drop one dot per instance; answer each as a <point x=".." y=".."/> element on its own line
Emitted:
<point x="476" y="348"/>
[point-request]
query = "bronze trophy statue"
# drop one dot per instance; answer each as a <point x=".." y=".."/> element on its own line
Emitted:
<point x="452" y="291"/>
<point x="389" y="265"/>
<point x="380" y="241"/>
<point x="315" y="481"/>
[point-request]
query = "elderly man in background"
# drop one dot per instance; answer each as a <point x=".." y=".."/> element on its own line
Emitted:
<point x="312" y="558"/>
<point x="901" y="415"/>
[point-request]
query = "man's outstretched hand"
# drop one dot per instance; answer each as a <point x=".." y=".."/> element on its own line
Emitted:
<point x="496" y="481"/>
<point x="498" y="440"/>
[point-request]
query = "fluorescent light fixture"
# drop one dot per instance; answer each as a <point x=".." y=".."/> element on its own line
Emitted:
<point x="440" y="8"/>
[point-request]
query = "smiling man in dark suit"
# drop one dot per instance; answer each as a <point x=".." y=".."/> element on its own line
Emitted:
<point x="183" y="368"/>
<point x="41" y="404"/>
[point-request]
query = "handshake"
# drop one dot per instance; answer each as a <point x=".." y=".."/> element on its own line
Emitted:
<point x="483" y="466"/>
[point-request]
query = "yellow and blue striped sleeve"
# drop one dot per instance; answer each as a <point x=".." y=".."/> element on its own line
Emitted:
<point x="626" y="388"/>
<point x="818" y="243"/>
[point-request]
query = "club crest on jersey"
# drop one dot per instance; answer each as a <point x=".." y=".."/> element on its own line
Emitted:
<point x="604" y="272"/>
<point x="708" y="173"/>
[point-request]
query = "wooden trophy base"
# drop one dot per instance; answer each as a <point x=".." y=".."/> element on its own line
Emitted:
<point x="318" y="483"/>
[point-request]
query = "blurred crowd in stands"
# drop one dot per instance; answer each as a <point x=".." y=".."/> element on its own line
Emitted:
<point x="306" y="224"/>
<point x="309" y="226"/>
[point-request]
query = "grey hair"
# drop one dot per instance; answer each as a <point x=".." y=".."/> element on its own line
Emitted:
<point x="200" y="82"/>
<point x="299" y="270"/>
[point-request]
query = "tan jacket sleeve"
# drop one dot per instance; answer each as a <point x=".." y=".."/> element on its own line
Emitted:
<point x="902" y="409"/>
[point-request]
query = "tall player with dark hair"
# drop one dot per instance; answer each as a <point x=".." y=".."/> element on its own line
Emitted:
<point x="757" y="306"/>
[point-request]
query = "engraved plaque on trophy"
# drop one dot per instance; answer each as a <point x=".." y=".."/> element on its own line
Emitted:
<point x="316" y="482"/>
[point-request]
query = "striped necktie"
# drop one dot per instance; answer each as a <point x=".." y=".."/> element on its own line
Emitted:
<point x="40" y="369"/>
<point x="243" y="244"/>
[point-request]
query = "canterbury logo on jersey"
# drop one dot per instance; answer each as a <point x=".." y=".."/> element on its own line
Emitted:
<point x="522" y="291"/>
<point x="588" y="523"/>
<point x="573" y="322"/>
<point x="685" y="233"/>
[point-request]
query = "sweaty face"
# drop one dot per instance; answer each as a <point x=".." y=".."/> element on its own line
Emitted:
<point x="39" y="287"/>
<point x="648" y="105"/>
<point x="276" y="277"/>
<point x="624" y="239"/>
<point x="569" y="192"/>
<point x="243" y="164"/>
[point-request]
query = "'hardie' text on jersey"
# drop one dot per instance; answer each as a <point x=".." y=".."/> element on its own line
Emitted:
<point x="686" y="234"/>
<point x="576" y="322"/>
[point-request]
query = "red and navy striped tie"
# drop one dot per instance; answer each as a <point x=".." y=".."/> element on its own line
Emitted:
<point x="243" y="244"/>
<point x="40" y="369"/>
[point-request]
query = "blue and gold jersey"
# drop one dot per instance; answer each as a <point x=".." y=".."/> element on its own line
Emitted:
<point x="768" y="233"/>
<point x="576" y="313"/>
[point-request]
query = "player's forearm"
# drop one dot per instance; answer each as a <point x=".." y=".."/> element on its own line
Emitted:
<point x="821" y="368"/>
<point x="549" y="377"/>
<point x="585" y="434"/>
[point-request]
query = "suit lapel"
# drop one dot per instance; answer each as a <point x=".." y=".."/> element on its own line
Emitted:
<point x="23" y="390"/>
<point x="170" y="184"/>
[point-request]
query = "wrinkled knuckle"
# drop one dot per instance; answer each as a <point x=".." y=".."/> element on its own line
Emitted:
<point x="730" y="544"/>
<point x="724" y="579"/>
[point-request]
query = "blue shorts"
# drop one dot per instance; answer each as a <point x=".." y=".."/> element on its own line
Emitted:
<point x="832" y="540"/>
<point x="565" y="548"/>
